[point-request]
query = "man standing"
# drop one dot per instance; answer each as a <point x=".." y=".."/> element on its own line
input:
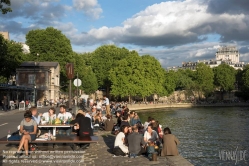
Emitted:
<point x="136" y="143"/>
<point x="64" y="116"/>
<point x="107" y="105"/>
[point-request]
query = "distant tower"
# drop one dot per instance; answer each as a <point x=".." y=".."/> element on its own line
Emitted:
<point x="5" y="35"/>
<point x="228" y="53"/>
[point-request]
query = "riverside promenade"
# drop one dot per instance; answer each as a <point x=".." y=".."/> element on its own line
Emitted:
<point x="98" y="154"/>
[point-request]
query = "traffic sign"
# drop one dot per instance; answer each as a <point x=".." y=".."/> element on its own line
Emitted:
<point x="77" y="82"/>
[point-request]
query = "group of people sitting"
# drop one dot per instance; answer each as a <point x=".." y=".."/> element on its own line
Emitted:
<point x="28" y="128"/>
<point x="134" y="138"/>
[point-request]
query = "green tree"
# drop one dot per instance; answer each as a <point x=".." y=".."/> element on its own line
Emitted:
<point x="50" y="45"/>
<point x="10" y="58"/>
<point x="154" y="73"/>
<point x="5" y="6"/>
<point x="224" y="76"/>
<point x="103" y="60"/>
<point x="128" y="77"/>
<point x="245" y="78"/>
<point x="204" y="78"/>
<point x="170" y="82"/>
<point x="85" y="73"/>
<point x="3" y="54"/>
<point x="89" y="81"/>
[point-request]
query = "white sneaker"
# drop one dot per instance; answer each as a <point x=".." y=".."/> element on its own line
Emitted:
<point x="114" y="156"/>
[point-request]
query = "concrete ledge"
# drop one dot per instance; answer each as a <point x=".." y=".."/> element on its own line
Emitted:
<point x="178" y="161"/>
<point x="182" y="105"/>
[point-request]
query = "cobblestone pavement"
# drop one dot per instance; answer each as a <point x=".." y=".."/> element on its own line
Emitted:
<point x="97" y="154"/>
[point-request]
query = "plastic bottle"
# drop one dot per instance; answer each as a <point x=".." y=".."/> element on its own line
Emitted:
<point x="9" y="135"/>
<point x="49" y="135"/>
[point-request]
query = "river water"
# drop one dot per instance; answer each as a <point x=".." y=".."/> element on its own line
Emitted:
<point x="208" y="135"/>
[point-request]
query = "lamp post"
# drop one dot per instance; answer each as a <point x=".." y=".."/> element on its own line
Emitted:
<point x="34" y="96"/>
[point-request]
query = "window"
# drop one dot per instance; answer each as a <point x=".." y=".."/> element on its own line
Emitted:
<point x="31" y="79"/>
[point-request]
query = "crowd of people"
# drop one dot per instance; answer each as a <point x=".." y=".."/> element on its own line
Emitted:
<point x="133" y="138"/>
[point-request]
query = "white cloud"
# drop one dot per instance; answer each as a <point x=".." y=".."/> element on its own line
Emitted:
<point x="89" y="7"/>
<point x="168" y="24"/>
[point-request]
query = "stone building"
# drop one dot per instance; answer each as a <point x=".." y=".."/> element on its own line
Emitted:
<point x="230" y="53"/>
<point x="43" y="77"/>
<point x="5" y="35"/>
<point x="227" y="54"/>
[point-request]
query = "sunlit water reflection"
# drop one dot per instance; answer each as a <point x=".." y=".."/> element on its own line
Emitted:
<point x="205" y="132"/>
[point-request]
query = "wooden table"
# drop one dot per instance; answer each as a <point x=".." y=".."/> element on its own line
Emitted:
<point x="54" y="126"/>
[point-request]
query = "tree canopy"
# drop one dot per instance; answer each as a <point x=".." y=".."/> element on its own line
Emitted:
<point x="103" y="60"/>
<point x="50" y="45"/>
<point x="11" y="56"/>
<point x="5" y="6"/>
<point x="224" y="77"/>
<point x="204" y="78"/>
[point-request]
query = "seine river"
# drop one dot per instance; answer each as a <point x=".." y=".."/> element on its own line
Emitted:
<point x="208" y="136"/>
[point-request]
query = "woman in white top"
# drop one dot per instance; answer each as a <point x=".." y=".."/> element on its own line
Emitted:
<point x="50" y="114"/>
<point x="120" y="139"/>
<point x="150" y="135"/>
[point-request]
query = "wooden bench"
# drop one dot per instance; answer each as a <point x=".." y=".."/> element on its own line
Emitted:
<point x="73" y="139"/>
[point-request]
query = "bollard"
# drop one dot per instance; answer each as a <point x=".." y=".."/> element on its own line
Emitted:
<point x="154" y="156"/>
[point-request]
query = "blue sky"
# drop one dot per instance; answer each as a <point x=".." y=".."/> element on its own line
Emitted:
<point x="172" y="31"/>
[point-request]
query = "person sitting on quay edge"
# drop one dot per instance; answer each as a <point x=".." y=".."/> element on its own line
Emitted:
<point x="125" y="121"/>
<point x="147" y="122"/>
<point x="136" y="118"/>
<point x="64" y="116"/>
<point x="136" y="143"/>
<point x="28" y="128"/>
<point x="119" y="145"/>
<point x="131" y="115"/>
<point x="109" y="123"/>
<point x="119" y="119"/>
<point x="150" y="135"/>
<point x="170" y="143"/>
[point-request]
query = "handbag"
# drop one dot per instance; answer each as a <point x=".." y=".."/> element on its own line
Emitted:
<point x="14" y="138"/>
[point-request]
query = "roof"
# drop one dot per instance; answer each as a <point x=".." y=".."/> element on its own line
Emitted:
<point x="41" y="64"/>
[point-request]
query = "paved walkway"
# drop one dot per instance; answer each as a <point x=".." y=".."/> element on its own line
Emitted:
<point x="98" y="154"/>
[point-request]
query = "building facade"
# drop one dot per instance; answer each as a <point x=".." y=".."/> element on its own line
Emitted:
<point x="43" y="77"/>
<point x="5" y="35"/>
<point x="228" y="55"/>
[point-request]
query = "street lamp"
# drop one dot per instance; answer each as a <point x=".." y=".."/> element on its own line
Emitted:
<point x="34" y="96"/>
